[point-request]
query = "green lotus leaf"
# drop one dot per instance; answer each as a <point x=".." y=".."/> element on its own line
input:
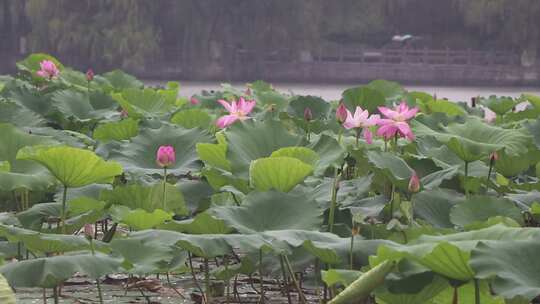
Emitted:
<point x="22" y="173"/>
<point x="32" y="62"/>
<point x="331" y="153"/>
<point x="511" y="165"/>
<point x="43" y="242"/>
<point x="320" y="109"/>
<point x="75" y="105"/>
<point x="474" y="140"/>
<point x="218" y="179"/>
<point x="428" y="290"/>
<point x="392" y="166"/>
<point x="345" y="277"/>
<point x="390" y="89"/>
<point x="202" y="223"/>
<point x="499" y="105"/>
<point x="73" y="167"/>
<point x="271" y="99"/>
<point x="118" y="130"/>
<point x="434" y="180"/>
<point x="214" y="155"/>
<point x="192" y="118"/>
<point x="5" y="166"/>
<point x="433" y="206"/>
<point x="480" y="208"/>
<point x="30" y="99"/>
<point x="119" y="80"/>
<point x="20" y="116"/>
<point x="534" y="129"/>
<point x="52" y="271"/>
<point x="139" y="219"/>
<point x="364" y="97"/>
<point x="512" y="266"/>
<point x="6" y="293"/>
<point x="444" y="106"/>
<point x="272" y="210"/>
<point x="143" y="102"/>
<point x="280" y="173"/>
<point x="251" y="140"/>
<point x="466" y="294"/>
<point x="139" y="155"/>
<point x="304" y="154"/>
<point x="148" y="198"/>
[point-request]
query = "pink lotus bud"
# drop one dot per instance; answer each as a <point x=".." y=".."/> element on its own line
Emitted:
<point x="341" y="113"/>
<point x="123" y="113"/>
<point x="89" y="75"/>
<point x="494" y="156"/>
<point x="165" y="156"/>
<point x="89" y="231"/>
<point x="414" y="183"/>
<point x="194" y="101"/>
<point x="308" y="115"/>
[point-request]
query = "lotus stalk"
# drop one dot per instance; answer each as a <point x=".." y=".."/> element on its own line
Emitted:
<point x="493" y="157"/>
<point x="63" y="214"/>
<point x="476" y="292"/>
<point x="333" y="203"/>
<point x="89" y="233"/>
<point x="262" y="301"/>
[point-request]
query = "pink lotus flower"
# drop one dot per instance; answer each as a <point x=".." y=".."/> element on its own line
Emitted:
<point x="166" y="156"/>
<point x="238" y="110"/>
<point x="89" y="75"/>
<point x="194" y="101"/>
<point x="341" y="113"/>
<point x="396" y="121"/>
<point x="361" y="120"/>
<point x="48" y="70"/>
<point x="414" y="183"/>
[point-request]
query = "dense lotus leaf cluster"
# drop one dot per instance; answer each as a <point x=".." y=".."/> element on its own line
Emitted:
<point x="433" y="204"/>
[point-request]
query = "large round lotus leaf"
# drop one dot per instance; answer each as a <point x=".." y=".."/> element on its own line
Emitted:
<point x="139" y="155"/>
<point x="513" y="267"/>
<point x="331" y="153"/>
<point x="534" y="129"/>
<point x="202" y="223"/>
<point x="480" y="208"/>
<point x="318" y="106"/>
<point x="304" y="154"/>
<point x="444" y="106"/>
<point x="119" y="80"/>
<point x="22" y="173"/>
<point x="364" y="97"/>
<point x="466" y="294"/>
<point x="76" y="105"/>
<point x="251" y="140"/>
<point x="6" y="293"/>
<point x="148" y="198"/>
<point x="52" y="271"/>
<point x="192" y="118"/>
<point x="433" y="206"/>
<point x="499" y="105"/>
<point x="390" y="89"/>
<point x="30" y="99"/>
<point x="474" y="140"/>
<point x="509" y="165"/>
<point x="272" y="210"/>
<point x="214" y="155"/>
<point x="73" y="167"/>
<point x="280" y="173"/>
<point x="392" y="166"/>
<point x="143" y="102"/>
<point x="117" y="130"/>
<point x="139" y="219"/>
<point x="429" y="289"/>
<point x="20" y="116"/>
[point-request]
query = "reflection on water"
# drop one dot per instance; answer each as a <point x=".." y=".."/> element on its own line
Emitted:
<point x="333" y="91"/>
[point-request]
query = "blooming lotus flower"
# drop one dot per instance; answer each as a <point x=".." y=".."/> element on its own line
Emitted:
<point x="341" y="113"/>
<point x="361" y="120"/>
<point x="89" y="75"/>
<point x="414" y="183"/>
<point x="396" y="121"/>
<point x="238" y="110"/>
<point x="48" y="69"/>
<point x="166" y="156"/>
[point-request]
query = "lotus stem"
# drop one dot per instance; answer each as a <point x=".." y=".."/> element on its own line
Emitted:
<point x="293" y="278"/>
<point x="228" y="287"/>
<point x="207" y="281"/>
<point x="63" y="214"/>
<point x="333" y="203"/>
<point x="340" y="135"/>
<point x="466" y="176"/>
<point x="392" y="197"/>
<point x="455" y="300"/>
<point x="261" y="275"/>
<point x="476" y="292"/>
<point x="357" y="137"/>
<point x="285" y="279"/>
<point x="195" y="281"/>
<point x="351" y="254"/>
<point x="55" y="295"/>
<point x="164" y="187"/>
<point x="100" y="294"/>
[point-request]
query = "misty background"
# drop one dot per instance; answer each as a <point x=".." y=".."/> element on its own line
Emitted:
<point x="257" y="39"/>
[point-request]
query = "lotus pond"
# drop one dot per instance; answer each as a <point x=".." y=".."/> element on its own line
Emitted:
<point x="115" y="192"/>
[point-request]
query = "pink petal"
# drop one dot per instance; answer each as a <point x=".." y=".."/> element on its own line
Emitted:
<point x="410" y="113"/>
<point x="388" y="113"/>
<point x="403" y="107"/>
<point x="227" y="120"/>
<point x="226" y="105"/>
<point x="387" y="131"/>
<point x="368" y="136"/>
<point x="248" y="107"/>
<point x="405" y="130"/>
<point x="41" y="73"/>
<point x="372" y="120"/>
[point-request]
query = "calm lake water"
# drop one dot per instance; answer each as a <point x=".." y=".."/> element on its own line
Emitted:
<point x="333" y="91"/>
